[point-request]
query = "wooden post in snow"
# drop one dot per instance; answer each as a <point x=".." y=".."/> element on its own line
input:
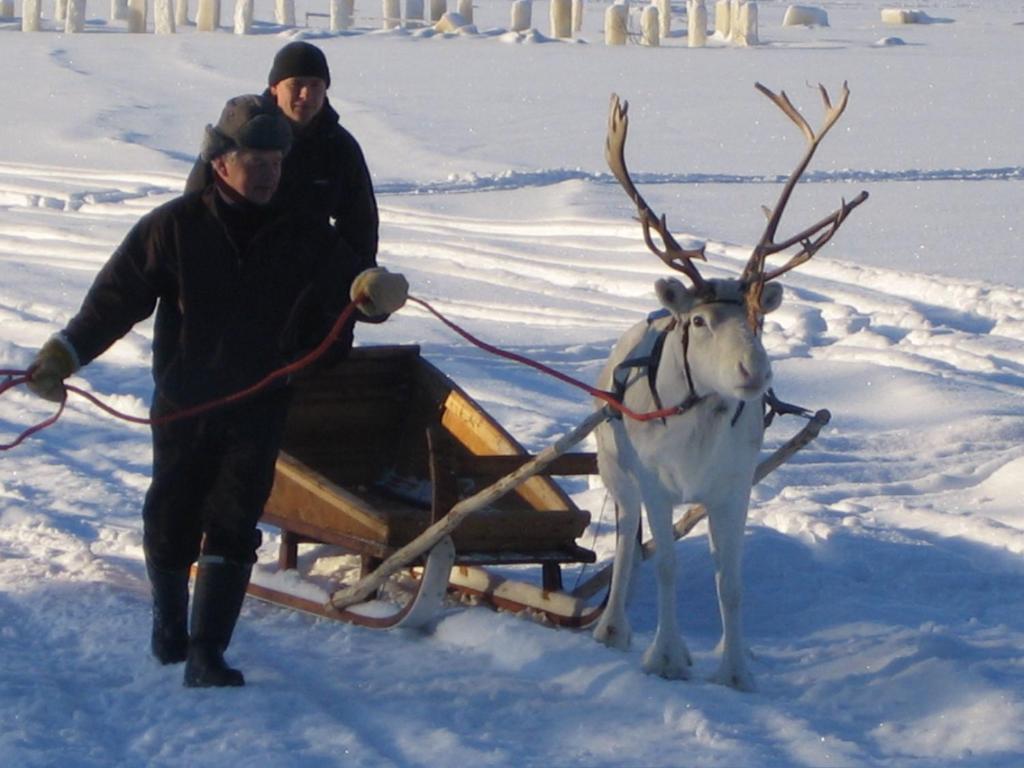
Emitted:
<point x="696" y="24"/>
<point x="723" y="17"/>
<point x="284" y="12"/>
<point x="180" y="12"/>
<point x="75" y="17"/>
<point x="577" y="16"/>
<point x="243" y="17"/>
<point x="359" y="592"/>
<point x="465" y="10"/>
<point x="616" y="24"/>
<point x="664" y="17"/>
<point x="208" y="15"/>
<point x="137" y="16"/>
<point x="342" y="12"/>
<point x="163" y="17"/>
<point x="561" y="18"/>
<point x="522" y="15"/>
<point x="649" y="26"/>
<point x="30" y="15"/>
<point x="743" y="23"/>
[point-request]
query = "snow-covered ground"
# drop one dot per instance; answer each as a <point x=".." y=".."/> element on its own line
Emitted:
<point x="884" y="575"/>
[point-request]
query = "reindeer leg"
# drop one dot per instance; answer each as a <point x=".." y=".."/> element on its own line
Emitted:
<point x="668" y="655"/>
<point x="613" y="629"/>
<point x="726" y="525"/>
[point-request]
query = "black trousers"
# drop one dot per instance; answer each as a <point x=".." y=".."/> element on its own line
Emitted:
<point x="212" y="475"/>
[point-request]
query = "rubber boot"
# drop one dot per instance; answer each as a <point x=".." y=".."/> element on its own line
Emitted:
<point x="169" y="640"/>
<point x="220" y="589"/>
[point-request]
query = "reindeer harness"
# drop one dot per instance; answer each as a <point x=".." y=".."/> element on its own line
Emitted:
<point x="645" y="358"/>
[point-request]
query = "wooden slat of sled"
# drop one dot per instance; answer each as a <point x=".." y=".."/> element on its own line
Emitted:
<point x="482" y="436"/>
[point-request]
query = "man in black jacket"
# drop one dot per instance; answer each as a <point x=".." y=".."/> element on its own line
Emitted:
<point x="241" y="287"/>
<point x="325" y="174"/>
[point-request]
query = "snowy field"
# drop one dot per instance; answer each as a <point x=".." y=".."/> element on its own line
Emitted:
<point x="884" y="601"/>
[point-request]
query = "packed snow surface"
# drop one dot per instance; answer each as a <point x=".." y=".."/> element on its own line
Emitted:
<point x="884" y="569"/>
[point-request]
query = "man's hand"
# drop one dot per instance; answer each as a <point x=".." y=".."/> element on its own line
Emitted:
<point x="54" y="362"/>
<point x="379" y="292"/>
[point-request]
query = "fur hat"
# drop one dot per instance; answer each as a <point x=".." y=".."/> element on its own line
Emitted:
<point x="299" y="59"/>
<point x="247" y="122"/>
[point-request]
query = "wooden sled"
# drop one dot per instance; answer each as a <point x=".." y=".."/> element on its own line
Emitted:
<point x="382" y="446"/>
<point x="384" y="449"/>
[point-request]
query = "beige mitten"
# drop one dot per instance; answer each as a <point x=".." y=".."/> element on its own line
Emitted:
<point x="379" y="292"/>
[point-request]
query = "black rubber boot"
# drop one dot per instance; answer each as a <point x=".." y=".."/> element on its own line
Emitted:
<point x="169" y="640"/>
<point x="220" y="589"/>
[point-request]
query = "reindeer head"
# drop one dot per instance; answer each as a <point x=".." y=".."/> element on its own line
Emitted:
<point x="751" y="290"/>
<point x="718" y="350"/>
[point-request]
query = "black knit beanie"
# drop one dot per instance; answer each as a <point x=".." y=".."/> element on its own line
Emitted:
<point x="299" y="59"/>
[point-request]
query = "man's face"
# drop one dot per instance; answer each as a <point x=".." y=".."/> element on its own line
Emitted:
<point x="252" y="173"/>
<point x="300" y="98"/>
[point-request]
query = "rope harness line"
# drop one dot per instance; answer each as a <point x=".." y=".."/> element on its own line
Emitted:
<point x="16" y="378"/>
<point x="612" y="400"/>
<point x="609" y="398"/>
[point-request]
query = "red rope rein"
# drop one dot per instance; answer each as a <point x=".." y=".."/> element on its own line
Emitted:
<point x="16" y="378"/>
<point x="606" y="397"/>
<point x="21" y="377"/>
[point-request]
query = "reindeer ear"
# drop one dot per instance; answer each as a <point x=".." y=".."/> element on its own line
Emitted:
<point x="771" y="297"/>
<point x="674" y="296"/>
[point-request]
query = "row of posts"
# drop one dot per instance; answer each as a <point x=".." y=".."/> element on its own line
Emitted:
<point x="735" y="20"/>
<point x="170" y="14"/>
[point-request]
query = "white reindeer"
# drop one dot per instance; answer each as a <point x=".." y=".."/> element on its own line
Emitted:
<point x="704" y="354"/>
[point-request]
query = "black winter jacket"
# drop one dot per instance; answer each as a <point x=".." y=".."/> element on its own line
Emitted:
<point x="325" y="175"/>
<point x="226" y="316"/>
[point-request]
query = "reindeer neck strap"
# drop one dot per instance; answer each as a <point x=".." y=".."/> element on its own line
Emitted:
<point x="650" y="363"/>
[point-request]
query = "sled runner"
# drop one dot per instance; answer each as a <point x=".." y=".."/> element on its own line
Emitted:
<point x="382" y="446"/>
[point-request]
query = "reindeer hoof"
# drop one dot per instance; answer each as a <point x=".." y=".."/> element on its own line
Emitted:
<point x="672" y="663"/>
<point x="616" y="636"/>
<point x="740" y="679"/>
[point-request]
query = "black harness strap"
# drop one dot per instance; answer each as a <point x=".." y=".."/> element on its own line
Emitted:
<point x="650" y="362"/>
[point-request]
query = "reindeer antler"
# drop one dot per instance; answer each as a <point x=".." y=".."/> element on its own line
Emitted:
<point x="673" y="254"/>
<point x="813" y="237"/>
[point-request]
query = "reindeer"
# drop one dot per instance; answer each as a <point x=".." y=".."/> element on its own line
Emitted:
<point x="703" y="351"/>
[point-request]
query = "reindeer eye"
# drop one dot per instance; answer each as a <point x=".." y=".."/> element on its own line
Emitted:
<point x="698" y="321"/>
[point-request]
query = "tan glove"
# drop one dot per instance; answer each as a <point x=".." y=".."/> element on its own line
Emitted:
<point x="54" y="362"/>
<point x="379" y="292"/>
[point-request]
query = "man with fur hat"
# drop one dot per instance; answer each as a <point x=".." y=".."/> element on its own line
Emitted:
<point x="240" y="289"/>
<point x="325" y="174"/>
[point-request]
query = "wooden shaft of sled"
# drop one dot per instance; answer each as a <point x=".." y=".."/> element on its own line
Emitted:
<point x="697" y="512"/>
<point x="366" y="586"/>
